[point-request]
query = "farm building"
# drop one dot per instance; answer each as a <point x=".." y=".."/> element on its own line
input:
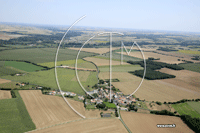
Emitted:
<point x="106" y="115"/>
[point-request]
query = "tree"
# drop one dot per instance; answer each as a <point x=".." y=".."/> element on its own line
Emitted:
<point x="106" y="100"/>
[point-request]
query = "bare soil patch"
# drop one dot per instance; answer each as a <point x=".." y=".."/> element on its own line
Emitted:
<point x="5" y="94"/>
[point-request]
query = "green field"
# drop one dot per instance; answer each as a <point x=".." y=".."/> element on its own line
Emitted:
<point x="117" y="57"/>
<point x="6" y="70"/>
<point x="120" y="68"/>
<point x="22" y="66"/>
<point x="191" y="66"/>
<point x="80" y="64"/>
<point x="110" y="105"/>
<point x="195" y="105"/>
<point x="66" y="77"/>
<point x="41" y="55"/>
<point x="14" y="117"/>
<point x="187" y="109"/>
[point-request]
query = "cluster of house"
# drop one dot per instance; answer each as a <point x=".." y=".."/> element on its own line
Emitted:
<point x="117" y="97"/>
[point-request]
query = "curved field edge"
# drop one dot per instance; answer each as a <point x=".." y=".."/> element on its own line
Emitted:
<point x="15" y="115"/>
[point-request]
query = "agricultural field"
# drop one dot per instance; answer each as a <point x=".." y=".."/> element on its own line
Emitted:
<point x="184" y="78"/>
<point x="6" y="70"/>
<point x="5" y="94"/>
<point x="116" y="56"/>
<point x="23" y="66"/>
<point x="87" y="125"/>
<point x="2" y="81"/>
<point x="71" y="63"/>
<point x="47" y="110"/>
<point x="103" y="62"/>
<point x="154" y="106"/>
<point x="163" y="58"/>
<point x="95" y="50"/>
<point x="120" y="68"/>
<point x="66" y="78"/>
<point x="191" y="66"/>
<point x="41" y="55"/>
<point x="190" y="52"/>
<point x="188" y="108"/>
<point x="8" y="84"/>
<point x="147" y="123"/>
<point x="155" y="90"/>
<point x="14" y="116"/>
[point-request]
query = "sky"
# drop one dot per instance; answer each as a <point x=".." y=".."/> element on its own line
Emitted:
<point x="170" y="15"/>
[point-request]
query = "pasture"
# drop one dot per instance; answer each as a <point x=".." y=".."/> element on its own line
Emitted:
<point x="95" y="50"/>
<point x="143" y="123"/>
<point x="14" y="116"/>
<point x="71" y="63"/>
<point x="156" y="90"/>
<point x="103" y="62"/>
<point x="41" y="55"/>
<point x="6" y="70"/>
<point x="23" y="66"/>
<point x="190" y="52"/>
<point x="195" y="67"/>
<point x="87" y="126"/>
<point x="5" y="94"/>
<point x="66" y="78"/>
<point x="187" y="109"/>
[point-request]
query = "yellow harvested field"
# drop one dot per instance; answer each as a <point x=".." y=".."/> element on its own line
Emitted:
<point x="163" y="58"/>
<point x="103" y="62"/>
<point x="96" y="50"/>
<point x="88" y="126"/>
<point x="147" y="123"/>
<point x="2" y="81"/>
<point x="47" y="110"/>
<point x="5" y="94"/>
<point x="153" y="90"/>
<point x="189" y="52"/>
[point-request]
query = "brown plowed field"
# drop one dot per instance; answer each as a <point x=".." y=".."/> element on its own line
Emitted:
<point x="2" y="81"/>
<point x="47" y="110"/>
<point x="147" y="123"/>
<point x="5" y="94"/>
<point x="88" y="126"/>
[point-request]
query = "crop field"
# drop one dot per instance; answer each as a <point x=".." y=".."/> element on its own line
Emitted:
<point x="163" y="58"/>
<point x="147" y="123"/>
<point x="120" y="68"/>
<point x="156" y="90"/>
<point x="41" y="55"/>
<point x="88" y="126"/>
<point x="22" y="66"/>
<point x="11" y="85"/>
<point x="116" y="56"/>
<point x="47" y="110"/>
<point x="189" y="52"/>
<point x="96" y="50"/>
<point x="184" y="78"/>
<point x="5" y="94"/>
<point x="187" y="109"/>
<point x="2" y="81"/>
<point x="191" y="66"/>
<point x="6" y="70"/>
<point x="14" y="116"/>
<point x="66" y="78"/>
<point x="154" y="106"/>
<point x="71" y="63"/>
<point x="195" y="105"/>
<point x="103" y="62"/>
